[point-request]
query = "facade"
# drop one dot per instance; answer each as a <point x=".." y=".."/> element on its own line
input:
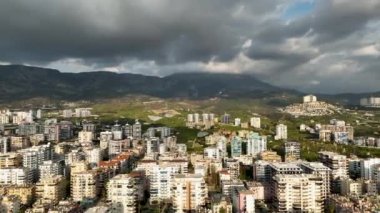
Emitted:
<point x="93" y="156"/>
<point x="122" y="192"/>
<point x="337" y="163"/>
<point x="5" y="144"/>
<point x="292" y="151"/>
<point x="212" y="153"/>
<point x="34" y="156"/>
<point x="255" y="122"/>
<point x="339" y="168"/>
<point x="269" y="156"/>
<point x="351" y="187"/>
<point x="10" y="159"/>
<point x="152" y="145"/>
<point x="88" y="127"/>
<point x="189" y="192"/>
<point x="51" y="188"/>
<point x="370" y="102"/>
<point x="160" y="176"/>
<point x="221" y="144"/>
<point x="237" y="122"/>
<point x="281" y="132"/>
<point x="50" y="168"/>
<point x="297" y="193"/>
<point x="336" y="132"/>
<point x="261" y="171"/>
<point x="243" y="200"/>
<point x="256" y="144"/>
<point x="116" y="147"/>
<point x="137" y="130"/>
<point x="233" y="167"/>
<point x="309" y="98"/>
<point x="367" y="167"/>
<point x="117" y="132"/>
<point x="236" y="149"/>
<point x="84" y="186"/>
<point x="85" y="137"/>
<point x="105" y="138"/>
<point x="225" y="119"/>
<point x="319" y="170"/>
<point x="15" y="176"/>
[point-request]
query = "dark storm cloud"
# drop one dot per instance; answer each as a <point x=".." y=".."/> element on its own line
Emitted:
<point x="161" y="37"/>
<point x="166" y="31"/>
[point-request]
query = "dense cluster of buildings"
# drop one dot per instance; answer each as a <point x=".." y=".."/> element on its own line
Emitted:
<point x="370" y="102"/>
<point x="310" y="107"/>
<point x="208" y="120"/>
<point x="205" y="120"/>
<point x="336" y="131"/>
<point x="55" y="165"/>
<point x="77" y="113"/>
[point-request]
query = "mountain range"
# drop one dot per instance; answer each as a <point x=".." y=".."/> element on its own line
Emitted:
<point x="18" y="82"/>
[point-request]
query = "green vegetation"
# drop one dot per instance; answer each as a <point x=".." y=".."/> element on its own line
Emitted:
<point x="129" y="109"/>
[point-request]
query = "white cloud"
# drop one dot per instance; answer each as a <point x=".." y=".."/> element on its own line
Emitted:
<point x="370" y="50"/>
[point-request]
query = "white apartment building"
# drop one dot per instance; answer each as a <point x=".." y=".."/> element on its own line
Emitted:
<point x="319" y="170"/>
<point x="190" y="118"/>
<point x="212" y="153"/>
<point x="5" y="144"/>
<point x="15" y="176"/>
<point x="160" y="175"/>
<point x="370" y="102"/>
<point x="4" y="119"/>
<point x="309" y="98"/>
<point x="105" y="138"/>
<point x="189" y="192"/>
<point x="337" y="163"/>
<point x="256" y="144"/>
<point x="49" y="168"/>
<point x="34" y="156"/>
<point x="281" y="132"/>
<point x="367" y="167"/>
<point x="255" y="122"/>
<point x="233" y="167"/>
<point x="82" y="112"/>
<point x="122" y="193"/>
<point x="85" y="137"/>
<point x="67" y="113"/>
<point x="196" y="118"/>
<point x="237" y="122"/>
<point x="117" y="132"/>
<point x="93" y="156"/>
<point x="221" y="144"/>
<point x="298" y="193"/>
<point x="292" y="151"/>
<point x="116" y="147"/>
<point x="152" y="145"/>
<point x="74" y="156"/>
<point x="84" y="185"/>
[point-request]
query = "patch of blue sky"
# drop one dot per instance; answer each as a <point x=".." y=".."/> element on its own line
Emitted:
<point x="298" y="9"/>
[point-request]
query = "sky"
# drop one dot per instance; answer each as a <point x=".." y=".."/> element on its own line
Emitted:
<point x="324" y="46"/>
